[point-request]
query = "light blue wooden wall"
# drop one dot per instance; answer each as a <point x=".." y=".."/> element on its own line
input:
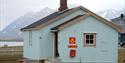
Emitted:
<point x="106" y="42"/>
<point x="31" y="51"/>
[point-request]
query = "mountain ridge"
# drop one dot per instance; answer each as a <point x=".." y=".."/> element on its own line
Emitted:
<point x="12" y="31"/>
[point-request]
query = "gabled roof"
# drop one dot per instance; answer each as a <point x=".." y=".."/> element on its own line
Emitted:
<point x="51" y="18"/>
<point x="81" y="17"/>
<point x="58" y="15"/>
<point x="43" y="20"/>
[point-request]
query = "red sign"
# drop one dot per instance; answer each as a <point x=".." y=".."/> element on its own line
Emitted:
<point x="72" y="46"/>
<point x="72" y="40"/>
<point x="72" y="53"/>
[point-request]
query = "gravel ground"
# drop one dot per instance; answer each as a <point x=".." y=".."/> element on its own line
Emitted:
<point x="121" y="55"/>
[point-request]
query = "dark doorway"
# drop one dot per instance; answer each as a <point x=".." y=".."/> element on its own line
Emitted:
<point x="56" y="44"/>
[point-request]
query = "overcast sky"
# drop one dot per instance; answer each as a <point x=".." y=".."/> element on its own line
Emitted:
<point x="10" y="10"/>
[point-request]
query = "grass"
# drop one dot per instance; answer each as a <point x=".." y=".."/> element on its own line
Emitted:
<point x="13" y="54"/>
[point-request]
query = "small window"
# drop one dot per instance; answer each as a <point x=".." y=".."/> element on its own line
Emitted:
<point x="90" y="39"/>
<point x="30" y="38"/>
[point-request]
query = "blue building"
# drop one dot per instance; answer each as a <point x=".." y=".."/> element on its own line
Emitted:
<point x="120" y="21"/>
<point x="72" y="35"/>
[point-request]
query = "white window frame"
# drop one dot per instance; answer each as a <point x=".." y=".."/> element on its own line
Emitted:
<point x="89" y="44"/>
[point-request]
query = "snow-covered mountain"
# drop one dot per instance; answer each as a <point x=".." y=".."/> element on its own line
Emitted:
<point x="111" y="13"/>
<point x="12" y="31"/>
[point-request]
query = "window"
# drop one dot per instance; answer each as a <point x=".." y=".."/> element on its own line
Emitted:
<point x="90" y="39"/>
<point x="30" y="38"/>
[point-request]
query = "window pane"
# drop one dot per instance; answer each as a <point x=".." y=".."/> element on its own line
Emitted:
<point x="91" y="36"/>
<point x="87" y="36"/>
<point x="87" y="41"/>
<point x="91" y="41"/>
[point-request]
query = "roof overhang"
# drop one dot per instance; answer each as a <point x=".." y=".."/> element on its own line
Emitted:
<point x="108" y="23"/>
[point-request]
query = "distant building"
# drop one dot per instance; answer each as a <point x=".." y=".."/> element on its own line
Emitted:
<point x="121" y="22"/>
<point x="72" y="35"/>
